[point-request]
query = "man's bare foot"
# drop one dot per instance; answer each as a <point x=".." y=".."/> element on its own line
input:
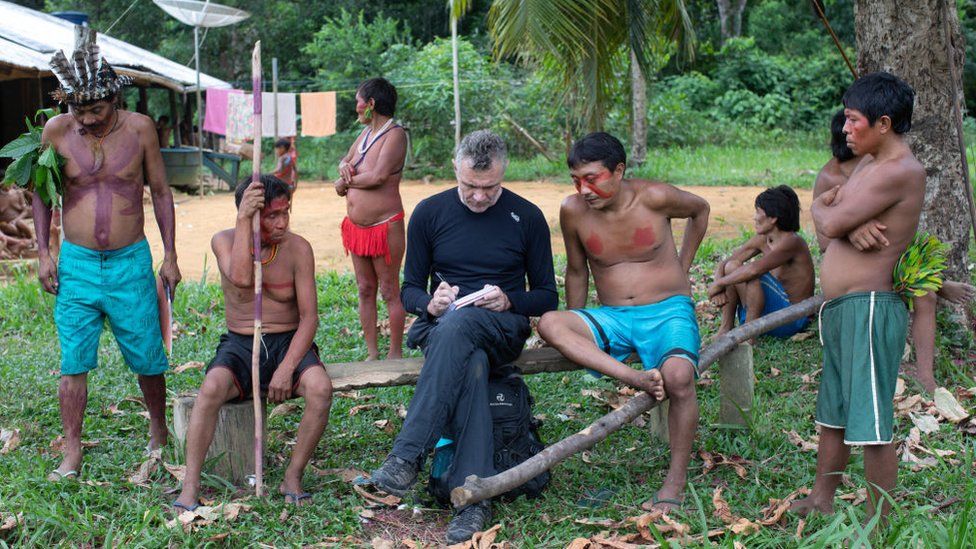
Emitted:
<point x="189" y="499"/>
<point x="394" y="355"/>
<point x="291" y="488"/>
<point x="157" y="438"/>
<point x="957" y="292"/>
<point x="810" y="504"/>
<point x="70" y="465"/>
<point x="651" y="382"/>
<point x="667" y="499"/>
<point x="723" y="328"/>
<point x="372" y="356"/>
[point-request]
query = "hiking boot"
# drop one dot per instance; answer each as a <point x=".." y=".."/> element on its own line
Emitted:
<point x="396" y="476"/>
<point x="468" y="521"/>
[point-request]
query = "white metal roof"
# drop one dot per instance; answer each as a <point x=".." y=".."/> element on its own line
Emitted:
<point x="28" y="39"/>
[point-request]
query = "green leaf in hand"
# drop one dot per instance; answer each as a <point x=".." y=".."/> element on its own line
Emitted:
<point x="20" y="146"/>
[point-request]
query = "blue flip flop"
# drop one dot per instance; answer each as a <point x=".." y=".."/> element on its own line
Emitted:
<point x="190" y="508"/>
<point x="296" y="497"/>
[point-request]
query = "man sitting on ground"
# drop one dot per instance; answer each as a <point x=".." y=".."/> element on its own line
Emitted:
<point x="781" y="276"/>
<point x="460" y="241"/>
<point x="290" y="364"/>
<point x="871" y="236"/>
<point x="621" y="230"/>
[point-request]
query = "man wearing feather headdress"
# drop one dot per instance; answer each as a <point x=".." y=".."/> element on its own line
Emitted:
<point x="104" y="269"/>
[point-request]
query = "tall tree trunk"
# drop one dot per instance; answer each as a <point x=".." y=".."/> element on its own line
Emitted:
<point x="908" y="39"/>
<point x="723" y="20"/>
<point x="740" y="7"/>
<point x="730" y="18"/>
<point x="638" y="128"/>
<point x="457" y="85"/>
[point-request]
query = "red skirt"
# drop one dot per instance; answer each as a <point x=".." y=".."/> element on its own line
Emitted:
<point x="370" y="241"/>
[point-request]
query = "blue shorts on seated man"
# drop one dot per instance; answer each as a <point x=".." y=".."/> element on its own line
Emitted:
<point x="776" y="299"/>
<point x="656" y="331"/>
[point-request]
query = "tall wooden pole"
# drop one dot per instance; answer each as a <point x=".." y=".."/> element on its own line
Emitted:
<point x="256" y="245"/>
<point x="274" y="94"/>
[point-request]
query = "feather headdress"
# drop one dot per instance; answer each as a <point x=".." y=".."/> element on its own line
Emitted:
<point x="85" y="77"/>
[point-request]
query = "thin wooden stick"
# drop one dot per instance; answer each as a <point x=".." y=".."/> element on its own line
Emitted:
<point x="823" y="17"/>
<point x="256" y="245"/>
<point x="477" y="489"/>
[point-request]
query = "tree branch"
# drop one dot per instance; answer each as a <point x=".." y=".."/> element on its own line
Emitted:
<point x="477" y="489"/>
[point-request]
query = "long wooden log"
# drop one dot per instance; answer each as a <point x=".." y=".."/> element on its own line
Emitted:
<point x="477" y="489"/>
<point x="258" y="285"/>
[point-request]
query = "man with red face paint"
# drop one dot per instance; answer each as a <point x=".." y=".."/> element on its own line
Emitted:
<point x="290" y="364"/>
<point x="104" y="268"/>
<point x="620" y="230"/>
<point x="863" y="323"/>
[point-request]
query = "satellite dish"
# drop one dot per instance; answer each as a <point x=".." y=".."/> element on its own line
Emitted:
<point x="202" y="14"/>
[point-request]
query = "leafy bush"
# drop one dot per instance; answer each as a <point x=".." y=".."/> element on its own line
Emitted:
<point x="348" y="49"/>
<point x="427" y="96"/>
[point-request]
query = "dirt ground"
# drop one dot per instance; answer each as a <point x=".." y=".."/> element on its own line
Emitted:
<point x="317" y="212"/>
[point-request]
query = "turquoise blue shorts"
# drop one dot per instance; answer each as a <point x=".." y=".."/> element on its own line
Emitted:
<point x="656" y="331"/>
<point x="118" y="285"/>
<point x="776" y="299"/>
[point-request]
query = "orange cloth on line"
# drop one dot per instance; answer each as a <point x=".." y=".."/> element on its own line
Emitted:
<point x="368" y="241"/>
<point x="318" y="113"/>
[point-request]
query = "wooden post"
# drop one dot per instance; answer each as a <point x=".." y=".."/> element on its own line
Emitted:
<point x="233" y="442"/>
<point x="174" y="114"/>
<point x="737" y="386"/>
<point x="658" y="426"/>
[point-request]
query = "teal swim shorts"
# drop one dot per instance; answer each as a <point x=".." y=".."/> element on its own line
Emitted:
<point x="656" y="331"/>
<point x="115" y="284"/>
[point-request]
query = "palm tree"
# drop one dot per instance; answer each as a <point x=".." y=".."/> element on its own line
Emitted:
<point x="457" y="8"/>
<point x="583" y="44"/>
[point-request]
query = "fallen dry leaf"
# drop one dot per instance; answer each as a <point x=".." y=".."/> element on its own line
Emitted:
<point x="580" y="543"/>
<point x="384" y="425"/>
<point x="283" y="409"/>
<point x="926" y="423"/>
<point x="178" y="471"/>
<point x="145" y="470"/>
<point x="722" y="510"/>
<point x="355" y="395"/>
<point x="57" y="445"/>
<point x="778" y="507"/>
<point x="856" y="498"/>
<point x="713" y="459"/>
<point x="347" y="474"/>
<point x="908" y="405"/>
<point x="948" y="406"/>
<point x="363" y="407"/>
<point x="811" y="377"/>
<point x="774" y="372"/>
<point x="10" y="439"/>
<point x="376" y="499"/>
<point x="218" y="537"/>
<point x="744" y="526"/>
<point x="191" y="365"/>
<point x="803" y="444"/>
<point x="899" y="387"/>
<point x="9" y="521"/>
<point x="800" y="525"/>
<point x="381" y="543"/>
<point x="802" y="336"/>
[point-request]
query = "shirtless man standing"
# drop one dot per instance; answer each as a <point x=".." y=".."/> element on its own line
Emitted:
<point x="782" y="276"/>
<point x="871" y="236"/>
<point x="864" y="323"/>
<point x="15" y="213"/>
<point x="620" y="229"/>
<point x="373" y="230"/>
<point x="105" y="268"/>
<point x="290" y="362"/>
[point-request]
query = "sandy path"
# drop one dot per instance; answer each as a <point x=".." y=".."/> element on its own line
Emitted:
<point x="317" y="213"/>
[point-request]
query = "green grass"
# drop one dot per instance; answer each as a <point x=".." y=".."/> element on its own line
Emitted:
<point x="794" y="161"/>
<point x="629" y="464"/>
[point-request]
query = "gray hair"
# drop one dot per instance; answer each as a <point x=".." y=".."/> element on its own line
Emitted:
<point x="482" y="148"/>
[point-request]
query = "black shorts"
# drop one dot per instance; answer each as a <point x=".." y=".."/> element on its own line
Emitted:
<point x="234" y="353"/>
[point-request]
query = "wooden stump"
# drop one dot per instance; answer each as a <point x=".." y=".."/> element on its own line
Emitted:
<point x="233" y="442"/>
<point x="737" y="386"/>
<point x="658" y="425"/>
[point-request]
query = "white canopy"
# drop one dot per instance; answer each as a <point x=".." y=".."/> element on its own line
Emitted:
<point x="28" y="39"/>
<point x="202" y="14"/>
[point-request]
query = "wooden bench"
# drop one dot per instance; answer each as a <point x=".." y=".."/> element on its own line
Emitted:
<point x="233" y="442"/>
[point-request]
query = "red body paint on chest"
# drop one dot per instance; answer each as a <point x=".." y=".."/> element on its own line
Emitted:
<point x="644" y="236"/>
<point x="594" y="244"/>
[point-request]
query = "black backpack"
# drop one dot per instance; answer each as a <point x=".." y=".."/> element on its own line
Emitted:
<point x="516" y="439"/>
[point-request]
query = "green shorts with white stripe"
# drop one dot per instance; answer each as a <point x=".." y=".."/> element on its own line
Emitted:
<point x="863" y="337"/>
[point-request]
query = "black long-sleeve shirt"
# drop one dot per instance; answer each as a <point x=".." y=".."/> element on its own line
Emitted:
<point x="504" y="245"/>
